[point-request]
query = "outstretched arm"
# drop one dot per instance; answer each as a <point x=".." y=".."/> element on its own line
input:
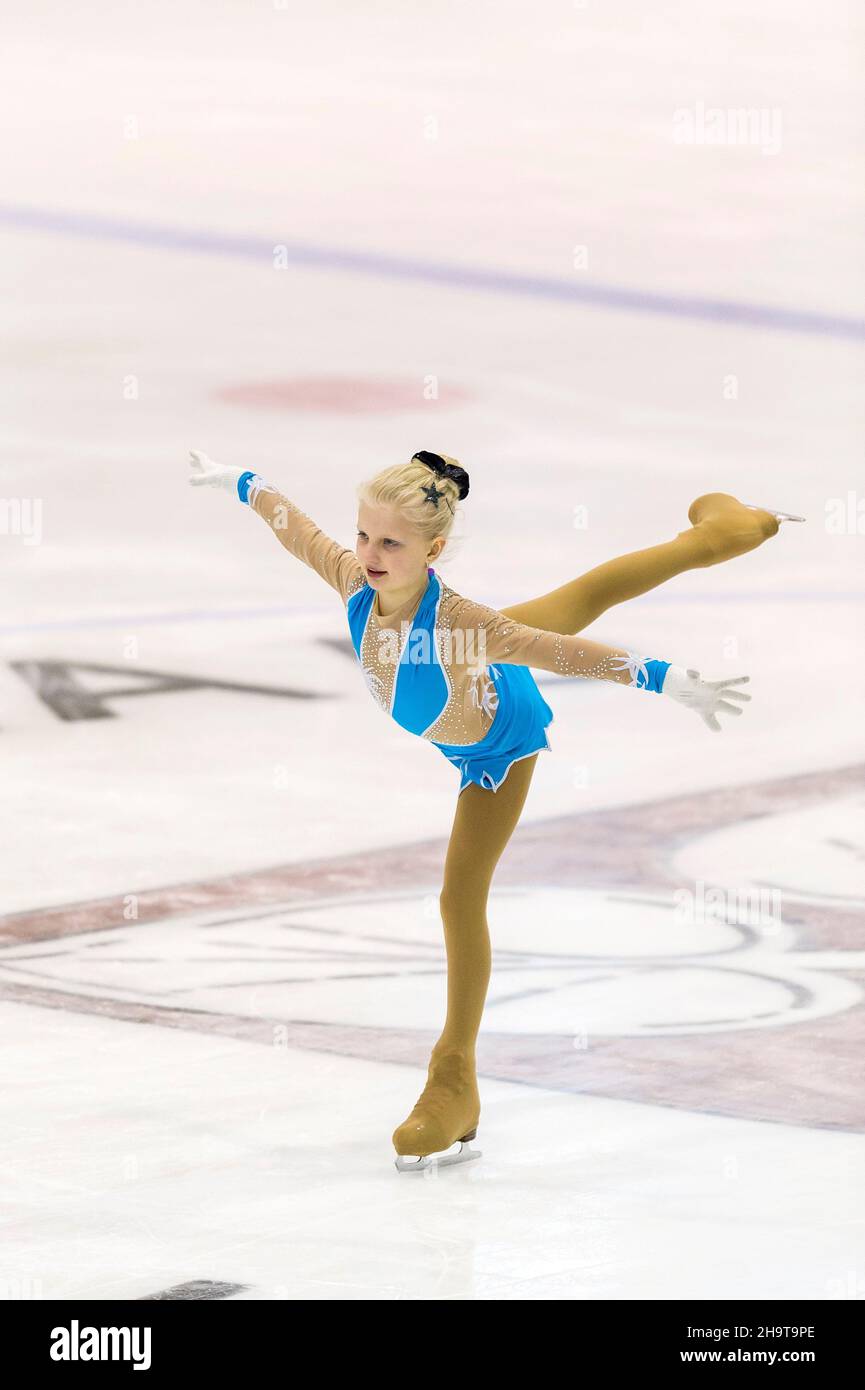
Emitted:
<point x="292" y="527"/>
<point x="497" y="637"/>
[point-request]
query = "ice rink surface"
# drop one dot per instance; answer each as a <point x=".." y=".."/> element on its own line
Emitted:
<point x="311" y="241"/>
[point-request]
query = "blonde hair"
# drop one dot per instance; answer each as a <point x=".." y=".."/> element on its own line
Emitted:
<point x="402" y="487"/>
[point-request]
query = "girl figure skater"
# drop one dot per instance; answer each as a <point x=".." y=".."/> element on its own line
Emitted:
<point x="456" y="673"/>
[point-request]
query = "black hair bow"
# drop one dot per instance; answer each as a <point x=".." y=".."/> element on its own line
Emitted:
<point x="445" y="470"/>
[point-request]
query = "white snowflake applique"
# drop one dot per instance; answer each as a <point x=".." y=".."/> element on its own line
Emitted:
<point x="483" y="693"/>
<point x="635" y="664"/>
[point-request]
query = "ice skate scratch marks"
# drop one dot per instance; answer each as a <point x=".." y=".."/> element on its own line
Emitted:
<point x="626" y="847"/>
<point x="796" y="1073"/>
<point x="385" y="265"/>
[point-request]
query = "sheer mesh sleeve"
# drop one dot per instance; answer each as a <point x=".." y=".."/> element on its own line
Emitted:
<point x="338" y="567"/>
<point x="496" y="637"/>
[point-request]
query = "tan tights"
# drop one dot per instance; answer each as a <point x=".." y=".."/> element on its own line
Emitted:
<point x="485" y="820"/>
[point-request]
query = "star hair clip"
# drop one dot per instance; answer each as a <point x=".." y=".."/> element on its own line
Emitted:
<point x="433" y="494"/>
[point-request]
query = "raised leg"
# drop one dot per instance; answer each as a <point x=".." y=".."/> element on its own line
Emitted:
<point x="449" y="1107"/>
<point x="722" y="527"/>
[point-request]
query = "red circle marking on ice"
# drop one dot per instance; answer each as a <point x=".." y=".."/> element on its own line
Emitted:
<point x="345" y="395"/>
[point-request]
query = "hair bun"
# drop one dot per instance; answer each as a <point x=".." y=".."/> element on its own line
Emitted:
<point x="445" y="470"/>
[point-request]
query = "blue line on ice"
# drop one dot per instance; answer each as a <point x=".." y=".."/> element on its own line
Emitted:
<point x="216" y="615"/>
<point x="468" y="277"/>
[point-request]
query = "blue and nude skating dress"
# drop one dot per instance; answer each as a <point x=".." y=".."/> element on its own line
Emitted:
<point x="512" y="715"/>
<point x="447" y="669"/>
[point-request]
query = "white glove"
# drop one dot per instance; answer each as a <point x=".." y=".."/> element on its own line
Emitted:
<point x="206" y="473"/>
<point x="706" y="697"/>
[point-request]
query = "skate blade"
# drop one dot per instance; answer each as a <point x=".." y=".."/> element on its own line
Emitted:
<point x="419" y="1165"/>
<point x="782" y="516"/>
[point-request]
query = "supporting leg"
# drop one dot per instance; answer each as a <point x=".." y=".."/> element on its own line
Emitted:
<point x="483" y="825"/>
<point x="722" y="528"/>
<point x="449" y="1107"/>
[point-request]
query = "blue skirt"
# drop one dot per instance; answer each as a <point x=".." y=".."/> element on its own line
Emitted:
<point x="517" y="731"/>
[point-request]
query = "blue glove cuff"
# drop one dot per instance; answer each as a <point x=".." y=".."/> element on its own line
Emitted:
<point x="657" y="671"/>
<point x="243" y="485"/>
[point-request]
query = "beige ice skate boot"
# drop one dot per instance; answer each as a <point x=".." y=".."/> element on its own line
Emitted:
<point x="724" y="527"/>
<point x="447" y="1112"/>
